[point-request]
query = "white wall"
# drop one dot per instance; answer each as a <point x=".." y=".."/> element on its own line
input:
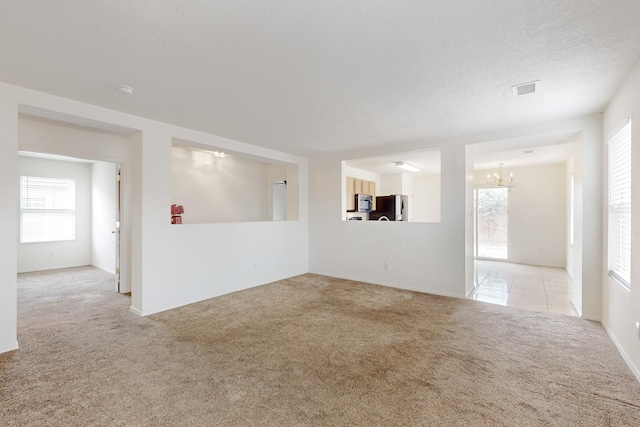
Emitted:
<point x="170" y="266"/>
<point x="59" y="138"/>
<point x="9" y="196"/>
<point x="590" y="182"/>
<point x="72" y="253"/>
<point x="391" y="183"/>
<point x="432" y="257"/>
<point x="422" y="256"/>
<point x="103" y="216"/>
<point x="213" y="189"/>
<point x="569" y="169"/>
<point x="621" y="309"/>
<point x="426" y="198"/>
<point x="537" y="214"/>
<point x="180" y="265"/>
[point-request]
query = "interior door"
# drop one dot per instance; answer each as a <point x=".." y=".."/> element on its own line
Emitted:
<point x="117" y="228"/>
<point x="492" y="223"/>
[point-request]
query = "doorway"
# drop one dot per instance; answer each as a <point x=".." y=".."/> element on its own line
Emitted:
<point x="81" y="229"/>
<point x="279" y="200"/>
<point x="491" y="236"/>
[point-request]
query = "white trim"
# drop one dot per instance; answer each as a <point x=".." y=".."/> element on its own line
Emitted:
<point x="613" y="277"/>
<point x="390" y="285"/>
<point x="593" y="318"/>
<point x="617" y="129"/>
<point x="106" y="269"/>
<point x="634" y="369"/>
<point x="135" y="311"/>
<point x="471" y="291"/>
<point x="10" y="347"/>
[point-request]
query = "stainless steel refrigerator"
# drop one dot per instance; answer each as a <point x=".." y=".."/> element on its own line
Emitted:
<point x="391" y="208"/>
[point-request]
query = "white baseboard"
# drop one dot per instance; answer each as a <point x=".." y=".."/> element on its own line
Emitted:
<point x="9" y="347"/>
<point x="135" y="311"/>
<point x="108" y="270"/>
<point x="625" y="356"/>
<point x="594" y="318"/>
<point x="392" y="285"/>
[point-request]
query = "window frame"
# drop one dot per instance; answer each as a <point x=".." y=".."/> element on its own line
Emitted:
<point x="47" y="207"/>
<point x="619" y="206"/>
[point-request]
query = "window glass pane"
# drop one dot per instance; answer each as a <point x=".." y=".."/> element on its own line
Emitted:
<point x="619" y="244"/>
<point x="493" y="223"/>
<point x="47" y="209"/>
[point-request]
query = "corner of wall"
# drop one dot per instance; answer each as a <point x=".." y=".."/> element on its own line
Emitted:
<point x="635" y="369"/>
<point x="8" y="228"/>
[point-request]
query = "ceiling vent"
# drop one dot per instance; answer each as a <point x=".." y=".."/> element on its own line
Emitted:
<point x="525" y="88"/>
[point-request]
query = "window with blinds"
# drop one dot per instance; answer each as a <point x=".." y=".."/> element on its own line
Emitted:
<point x="619" y="248"/>
<point x="47" y="209"/>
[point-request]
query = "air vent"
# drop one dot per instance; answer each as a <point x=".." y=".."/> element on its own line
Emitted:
<point x="525" y="88"/>
<point x="530" y="151"/>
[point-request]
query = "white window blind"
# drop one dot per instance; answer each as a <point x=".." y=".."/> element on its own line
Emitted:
<point x="47" y="209"/>
<point x="619" y="248"/>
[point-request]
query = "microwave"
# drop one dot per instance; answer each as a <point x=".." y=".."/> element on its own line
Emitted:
<point x="364" y="203"/>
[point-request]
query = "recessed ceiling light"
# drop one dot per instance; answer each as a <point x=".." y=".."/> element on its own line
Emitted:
<point x="407" y="166"/>
<point x="126" y="90"/>
<point x="525" y="88"/>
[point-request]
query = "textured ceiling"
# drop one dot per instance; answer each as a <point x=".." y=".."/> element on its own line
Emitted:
<point x="325" y="75"/>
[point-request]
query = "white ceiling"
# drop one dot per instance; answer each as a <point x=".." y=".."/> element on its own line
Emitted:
<point x="545" y="149"/>
<point x="427" y="161"/>
<point x="547" y="155"/>
<point x="530" y="151"/>
<point x="328" y="75"/>
<point x="539" y="149"/>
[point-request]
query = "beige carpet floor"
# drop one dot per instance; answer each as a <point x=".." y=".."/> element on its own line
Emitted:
<point x="309" y="350"/>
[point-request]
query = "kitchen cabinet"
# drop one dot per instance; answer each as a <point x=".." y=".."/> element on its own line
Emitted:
<point x="350" y="193"/>
<point x="358" y="186"/>
<point x="365" y="187"/>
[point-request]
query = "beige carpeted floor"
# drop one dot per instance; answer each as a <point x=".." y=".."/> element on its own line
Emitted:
<point x="310" y="350"/>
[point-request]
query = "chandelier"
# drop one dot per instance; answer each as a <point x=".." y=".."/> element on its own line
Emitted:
<point x="499" y="179"/>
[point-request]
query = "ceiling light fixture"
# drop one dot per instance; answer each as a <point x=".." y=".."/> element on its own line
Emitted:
<point x="125" y="90"/>
<point x="219" y="154"/>
<point x="407" y="166"/>
<point x="498" y="179"/>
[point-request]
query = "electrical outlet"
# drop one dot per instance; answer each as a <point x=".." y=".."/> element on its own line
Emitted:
<point x="255" y="266"/>
<point x="50" y="253"/>
<point x="387" y="266"/>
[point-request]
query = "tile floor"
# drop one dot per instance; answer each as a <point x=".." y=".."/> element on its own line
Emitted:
<point x="528" y="287"/>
